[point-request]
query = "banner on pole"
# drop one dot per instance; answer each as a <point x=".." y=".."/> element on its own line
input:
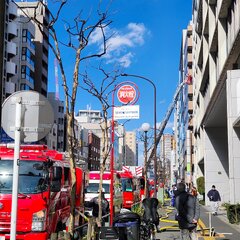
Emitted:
<point x="126" y="112"/>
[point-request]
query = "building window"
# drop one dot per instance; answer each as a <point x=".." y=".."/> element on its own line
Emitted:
<point x="24" y="87"/>
<point x="26" y="73"/>
<point x="27" y="56"/>
<point x="27" y="37"/>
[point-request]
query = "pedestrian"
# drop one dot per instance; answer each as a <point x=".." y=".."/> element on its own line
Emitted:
<point x="172" y="194"/>
<point x="93" y="203"/>
<point x="214" y="198"/>
<point x="188" y="212"/>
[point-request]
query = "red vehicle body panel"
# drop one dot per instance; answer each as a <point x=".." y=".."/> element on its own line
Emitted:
<point x="132" y="196"/>
<point x="56" y="204"/>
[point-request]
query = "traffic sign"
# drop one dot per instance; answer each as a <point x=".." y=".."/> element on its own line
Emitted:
<point x="36" y="115"/>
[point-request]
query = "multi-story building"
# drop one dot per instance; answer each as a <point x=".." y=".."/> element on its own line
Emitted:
<point x="131" y="148"/>
<point x="24" y="48"/>
<point x="94" y="152"/>
<point x="8" y="49"/>
<point x="91" y="120"/>
<point x="41" y="39"/>
<point x="120" y="129"/>
<point x="90" y="116"/>
<point x="166" y="147"/>
<point x="52" y="137"/>
<point x="183" y="116"/>
<point x="216" y="95"/>
<point x="58" y="110"/>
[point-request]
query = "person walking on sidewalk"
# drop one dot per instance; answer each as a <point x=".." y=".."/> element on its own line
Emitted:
<point x="188" y="212"/>
<point x="214" y="198"/>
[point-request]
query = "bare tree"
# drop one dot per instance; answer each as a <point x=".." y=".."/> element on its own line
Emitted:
<point x="101" y="90"/>
<point x="78" y="34"/>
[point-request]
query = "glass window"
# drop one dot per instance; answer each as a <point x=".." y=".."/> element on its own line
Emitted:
<point x="93" y="188"/>
<point x="127" y="185"/>
<point x="32" y="177"/>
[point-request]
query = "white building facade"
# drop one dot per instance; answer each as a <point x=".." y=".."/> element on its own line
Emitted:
<point x="216" y="95"/>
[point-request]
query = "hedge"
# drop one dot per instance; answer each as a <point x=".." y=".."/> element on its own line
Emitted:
<point x="233" y="212"/>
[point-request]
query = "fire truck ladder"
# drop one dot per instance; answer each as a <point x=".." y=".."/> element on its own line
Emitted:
<point x="166" y="118"/>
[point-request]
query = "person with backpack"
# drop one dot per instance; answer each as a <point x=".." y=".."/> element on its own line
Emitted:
<point x="188" y="212"/>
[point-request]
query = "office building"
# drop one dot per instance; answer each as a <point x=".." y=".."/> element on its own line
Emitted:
<point x="58" y="111"/>
<point x="131" y="148"/>
<point x="216" y="95"/>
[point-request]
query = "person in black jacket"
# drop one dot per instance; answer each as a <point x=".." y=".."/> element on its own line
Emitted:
<point x="188" y="212"/>
<point x="214" y="198"/>
<point x="93" y="203"/>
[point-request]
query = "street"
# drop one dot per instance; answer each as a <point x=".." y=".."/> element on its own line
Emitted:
<point x="221" y="228"/>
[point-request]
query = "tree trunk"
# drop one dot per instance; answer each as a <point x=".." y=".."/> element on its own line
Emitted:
<point x="73" y="173"/>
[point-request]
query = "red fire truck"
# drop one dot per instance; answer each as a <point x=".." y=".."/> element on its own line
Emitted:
<point x="43" y="192"/>
<point x="131" y="192"/>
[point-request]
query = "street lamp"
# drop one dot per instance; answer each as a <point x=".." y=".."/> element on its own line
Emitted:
<point x="155" y="125"/>
<point x="145" y="128"/>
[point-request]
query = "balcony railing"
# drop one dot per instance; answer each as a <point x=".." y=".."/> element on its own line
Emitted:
<point x="12" y="10"/>
<point x="11" y="68"/>
<point x="12" y="29"/>
<point x="11" y="48"/>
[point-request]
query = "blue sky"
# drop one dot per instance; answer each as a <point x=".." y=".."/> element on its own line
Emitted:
<point x="146" y="42"/>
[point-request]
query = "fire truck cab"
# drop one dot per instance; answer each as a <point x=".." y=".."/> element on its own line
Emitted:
<point x="43" y="192"/>
<point x="131" y="192"/>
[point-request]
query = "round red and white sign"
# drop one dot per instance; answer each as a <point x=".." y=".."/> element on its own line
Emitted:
<point x="126" y="94"/>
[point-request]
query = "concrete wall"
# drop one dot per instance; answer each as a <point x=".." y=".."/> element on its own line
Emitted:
<point x="216" y="161"/>
<point x="233" y="112"/>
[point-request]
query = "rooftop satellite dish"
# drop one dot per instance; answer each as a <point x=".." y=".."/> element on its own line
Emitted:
<point x="36" y="115"/>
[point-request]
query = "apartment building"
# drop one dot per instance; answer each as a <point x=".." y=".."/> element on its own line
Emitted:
<point x="166" y="147"/>
<point x="89" y="115"/>
<point x="58" y="110"/>
<point x="91" y="120"/>
<point x="24" y="52"/>
<point x="8" y="49"/>
<point x="94" y="152"/>
<point x="41" y="38"/>
<point x="131" y="148"/>
<point x="216" y="95"/>
<point x="183" y="116"/>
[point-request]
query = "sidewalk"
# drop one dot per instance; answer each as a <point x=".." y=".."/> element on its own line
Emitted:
<point x="220" y="224"/>
<point x="222" y="229"/>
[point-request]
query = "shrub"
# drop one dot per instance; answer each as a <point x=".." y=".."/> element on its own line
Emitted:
<point x="201" y="185"/>
<point x="233" y="213"/>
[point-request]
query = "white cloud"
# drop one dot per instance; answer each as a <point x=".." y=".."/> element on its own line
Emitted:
<point x="120" y="42"/>
<point x="162" y="101"/>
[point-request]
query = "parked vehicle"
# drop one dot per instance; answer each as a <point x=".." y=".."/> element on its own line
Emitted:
<point x="92" y="188"/>
<point x="130" y="189"/>
<point x="43" y="192"/>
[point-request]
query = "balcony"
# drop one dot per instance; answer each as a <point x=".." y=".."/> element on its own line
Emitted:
<point x="190" y="106"/>
<point x="11" y="48"/>
<point x="10" y="87"/>
<point x="12" y="29"/>
<point x="11" y="68"/>
<point x="190" y="90"/>
<point x="12" y="10"/>
<point x="189" y="43"/>
<point x="190" y="123"/>
<point x="189" y="59"/>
